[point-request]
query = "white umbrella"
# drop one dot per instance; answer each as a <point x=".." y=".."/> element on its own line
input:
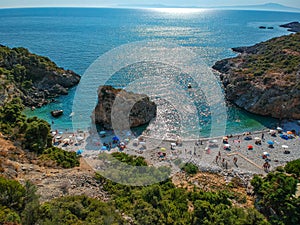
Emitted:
<point x="227" y="145"/>
<point x="143" y="143"/>
<point x="266" y="153"/>
<point x="272" y="131"/>
<point x="257" y="138"/>
<point x="173" y="144"/>
<point x="285" y="146"/>
<point x="279" y="129"/>
<point x="66" y="140"/>
<point x="79" y="138"/>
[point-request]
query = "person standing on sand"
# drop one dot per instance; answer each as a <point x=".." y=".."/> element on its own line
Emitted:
<point x="217" y="158"/>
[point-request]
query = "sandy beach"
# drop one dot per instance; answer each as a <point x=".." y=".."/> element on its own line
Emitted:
<point x="209" y="154"/>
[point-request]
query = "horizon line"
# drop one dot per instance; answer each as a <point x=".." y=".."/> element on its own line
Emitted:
<point x="239" y="7"/>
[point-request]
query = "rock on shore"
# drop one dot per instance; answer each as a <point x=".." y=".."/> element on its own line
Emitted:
<point x="265" y="78"/>
<point x="139" y="107"/>
<point x="35" y="79"/>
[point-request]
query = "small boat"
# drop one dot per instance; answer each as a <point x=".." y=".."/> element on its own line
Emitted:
<point x="271" y="28"/>
<point x="262" y="27"/>
<point x="57" y="113"/>
<point x="189" y="85"/>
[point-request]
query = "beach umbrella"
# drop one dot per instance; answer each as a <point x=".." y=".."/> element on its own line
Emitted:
<point x="115" y="138"/>
<point x="250" y="146"/>
<point x="126" y="139"/>
<point x="227" y="145"/>
<point x="289" y="132"/>
<point x="257" y="138"/>
<point x="79" y="152"/>
<point x="78" y="138"/>
<point x="103" y="148"/>
<point x="266" y="153"/>
<point x="285" y="146"/>
<point x="58" y="137"/>
<point x="66" y="140"/>
<point x="122" y="143"/>
<point x="279" y="129"/>
<point x="270" y="142"/>
<point x="173" y="144"/>
<point x="163" y="149"/>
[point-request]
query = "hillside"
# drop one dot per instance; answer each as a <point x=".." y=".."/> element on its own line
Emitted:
<point x="265" y="78"/>
<point x="35" y="79"/>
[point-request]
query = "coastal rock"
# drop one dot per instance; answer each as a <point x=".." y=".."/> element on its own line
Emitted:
<point x="114" y="106"/>
<point x="264" y="78"/>
<point x="292" y="27"/>
<point x="35" y="79"/>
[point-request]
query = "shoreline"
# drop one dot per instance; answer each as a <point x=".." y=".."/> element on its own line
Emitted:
<point x="208" y="154"/>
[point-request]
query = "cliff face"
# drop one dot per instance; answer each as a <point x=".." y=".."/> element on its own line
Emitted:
<point x="35" y="79"/>
<point x="139" y="107"/>
<point x="265" y="78"/>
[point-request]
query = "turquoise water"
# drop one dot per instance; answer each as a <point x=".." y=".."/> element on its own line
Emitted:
<point x="74" y="38"/>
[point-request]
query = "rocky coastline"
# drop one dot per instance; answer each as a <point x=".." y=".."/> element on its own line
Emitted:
<point x="35" y="79"/>
<point x="292" y="27"/>
<point x="264" y="78"/>
<point x="114" y="105"/>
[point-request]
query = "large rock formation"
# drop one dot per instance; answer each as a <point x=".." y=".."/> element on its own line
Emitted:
<point x="35" y="79"/>
<point x="118" y="109"/>
<point x="265" y="78"/>
<point x="292" y="27"/>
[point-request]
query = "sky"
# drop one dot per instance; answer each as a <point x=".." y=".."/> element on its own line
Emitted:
<point x="114" y="3"/>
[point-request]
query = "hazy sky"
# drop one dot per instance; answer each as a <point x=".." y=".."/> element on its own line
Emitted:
<point x="110" y="3"/>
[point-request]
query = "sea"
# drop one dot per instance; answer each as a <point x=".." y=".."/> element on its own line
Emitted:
<point x="152" y="51"/>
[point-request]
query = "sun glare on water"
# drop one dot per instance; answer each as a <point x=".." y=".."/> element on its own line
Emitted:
<point x="179" y="10"/>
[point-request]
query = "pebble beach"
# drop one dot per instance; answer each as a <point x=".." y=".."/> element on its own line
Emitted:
<point x="219" y="154"/>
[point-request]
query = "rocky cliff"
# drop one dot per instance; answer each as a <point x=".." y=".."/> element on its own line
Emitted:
<point x="35" y="79"/>
<point x="139" y="108"/>
<point x="265" y="78"/>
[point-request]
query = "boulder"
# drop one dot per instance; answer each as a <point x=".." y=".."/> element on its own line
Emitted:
<point x="119" y="109"/>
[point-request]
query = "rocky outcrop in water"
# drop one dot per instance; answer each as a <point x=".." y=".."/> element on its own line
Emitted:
<point x="265" y="78"/>
<point x="292" y="27"/>
<point x="114" y="106"/>
<point x="35" y="79"/>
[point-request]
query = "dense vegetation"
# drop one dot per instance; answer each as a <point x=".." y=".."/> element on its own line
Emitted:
<point x="32" y="134"/>
<point x="293" y="167"/>
<point x="276" y="198"/>
<point x="18" y="203"/>
<point x="163" y="203"/>
<point x="277" y="56"/>
<point x="20" y="66"/>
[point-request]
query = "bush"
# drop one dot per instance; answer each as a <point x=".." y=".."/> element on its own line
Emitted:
<point x="62" y="158"/>
<point x="190" y="168"/>
<point x="293" y="167"/>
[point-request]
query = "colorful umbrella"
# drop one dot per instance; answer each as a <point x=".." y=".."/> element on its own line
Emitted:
<point x="270" y="142"/>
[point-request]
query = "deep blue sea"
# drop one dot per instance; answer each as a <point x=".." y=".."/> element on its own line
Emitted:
<point x="75" y="37"/>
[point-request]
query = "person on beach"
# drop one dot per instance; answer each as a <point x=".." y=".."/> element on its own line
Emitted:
<point x="235" y="161"/>
<point x="226" y="165"/>
<point x="217" y="158"/>
<point x="262" y="136"/>
<point x="223" y="162"/>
